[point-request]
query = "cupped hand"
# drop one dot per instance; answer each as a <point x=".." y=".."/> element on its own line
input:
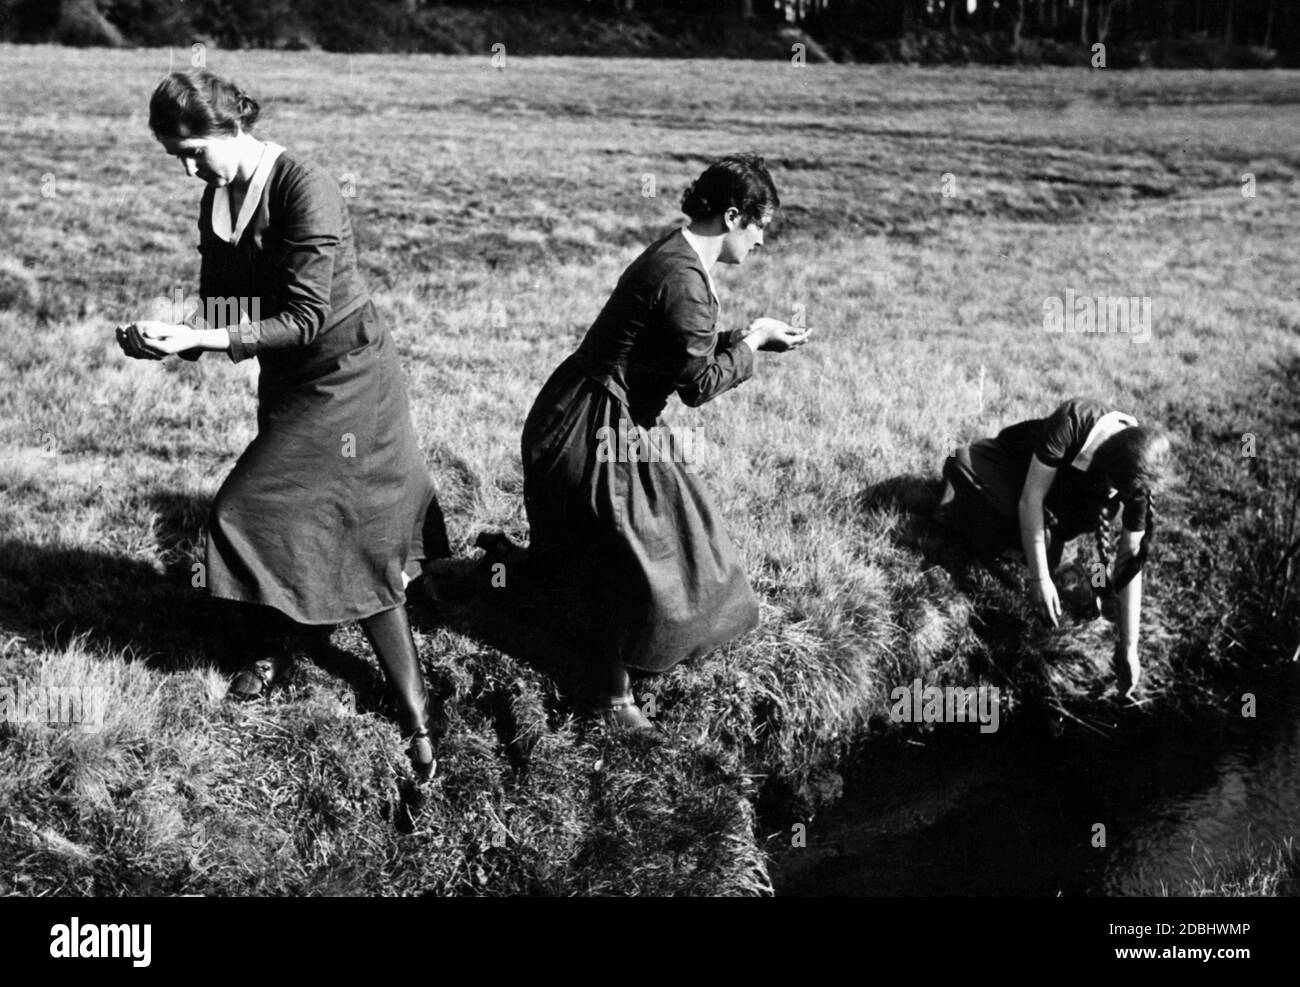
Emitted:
<point x="133" y="343"/>
<point x="1047" y="600"/>
<point x="775" y="336"/>
<point x="155" y="340"/>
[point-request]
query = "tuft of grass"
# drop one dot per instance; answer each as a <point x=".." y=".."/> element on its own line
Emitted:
<point x="20" y="290"/>
<point x="1270" y="873"/>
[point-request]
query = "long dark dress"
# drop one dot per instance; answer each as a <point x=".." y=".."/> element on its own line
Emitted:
<point x="331" y="503"/>
<point x="652" y="577"/>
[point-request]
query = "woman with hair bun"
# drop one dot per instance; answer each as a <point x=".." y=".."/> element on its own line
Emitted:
<point x="619" y="522"/>
<point x="329" y="512"/>
<point x="1043" y="482"/>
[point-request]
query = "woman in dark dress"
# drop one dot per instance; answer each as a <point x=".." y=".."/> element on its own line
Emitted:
<point x="617" y="515"/>
<point x="329" y="512"/>
<point x="1041" y="483"/>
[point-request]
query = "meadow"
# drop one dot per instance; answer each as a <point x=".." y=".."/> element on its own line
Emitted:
<point x="926" y="216"/>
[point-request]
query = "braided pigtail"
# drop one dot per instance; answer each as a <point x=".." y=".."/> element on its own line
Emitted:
<point x="1102" y="535"/>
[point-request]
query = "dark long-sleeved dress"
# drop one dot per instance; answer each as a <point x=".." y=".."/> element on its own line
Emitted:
<point x="331" y="504"/>
<point x="652" y="575"/>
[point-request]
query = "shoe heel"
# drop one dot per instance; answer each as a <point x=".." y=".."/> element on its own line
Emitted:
<point x="419" y="749"/>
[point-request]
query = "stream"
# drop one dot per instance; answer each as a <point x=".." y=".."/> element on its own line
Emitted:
<point x="1014" y="813"/>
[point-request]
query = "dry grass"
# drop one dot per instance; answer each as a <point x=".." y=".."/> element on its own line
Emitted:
<point x="1270" y="874"/>
<point x="494" y="212"/>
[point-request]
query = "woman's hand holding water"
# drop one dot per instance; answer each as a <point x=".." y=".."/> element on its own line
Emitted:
<point x="774" y="336"/>
<point x="155" y="340"/>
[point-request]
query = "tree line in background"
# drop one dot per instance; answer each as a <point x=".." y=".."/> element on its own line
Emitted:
<point x="1208" y="33"/>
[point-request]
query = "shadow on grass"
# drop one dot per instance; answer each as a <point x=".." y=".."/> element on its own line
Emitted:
<point x="523" y="622"/>
<point x="147" y="610"/>
<point x="55" y="595"/>
<point x="913" y="499"/>
<point x="1000" y="618"/>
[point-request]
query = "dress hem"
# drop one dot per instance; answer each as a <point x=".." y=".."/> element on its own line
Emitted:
<point x="332" y="622"/>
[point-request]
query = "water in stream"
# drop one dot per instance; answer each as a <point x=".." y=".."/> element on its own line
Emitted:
<point x="1014" y="814"/>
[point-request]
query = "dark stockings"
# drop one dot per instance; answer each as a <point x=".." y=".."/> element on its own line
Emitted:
<point x="264" y="632"/>
<point x="389" y="634"/>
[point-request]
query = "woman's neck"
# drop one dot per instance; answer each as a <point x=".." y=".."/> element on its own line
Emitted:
<point x="707" y="240"/>
<point x="250" y="155"/>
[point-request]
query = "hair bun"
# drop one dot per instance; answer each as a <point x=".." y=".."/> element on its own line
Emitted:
<point x="739" y="181"/>
<point x="199" y="103"/>
<point x="247" y="109"/>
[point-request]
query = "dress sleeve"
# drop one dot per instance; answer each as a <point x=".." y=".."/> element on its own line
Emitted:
<point x="1061" y="437"/>
<point x="313" y="227"/>
<point x="205" y="277"/>
<point x="726" y="340"/>
<point x="703" y="367"/>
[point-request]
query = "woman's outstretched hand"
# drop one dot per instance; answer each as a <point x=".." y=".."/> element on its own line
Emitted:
<point x="774" y="336"/>
<point x="155" y="340"/>
<point x="1128" y="670"/>
<point x="1047" y="600"/>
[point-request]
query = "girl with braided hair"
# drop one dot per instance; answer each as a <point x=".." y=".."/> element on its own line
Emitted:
<point x="1041" y="483"/>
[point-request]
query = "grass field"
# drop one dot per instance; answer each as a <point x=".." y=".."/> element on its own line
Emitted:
<point x="494" y="211"/>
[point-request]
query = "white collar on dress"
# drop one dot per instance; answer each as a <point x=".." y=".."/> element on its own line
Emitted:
<point x="1107" y="425"/>
<point x="690" y="238"/>
<point x="252" y="196"/>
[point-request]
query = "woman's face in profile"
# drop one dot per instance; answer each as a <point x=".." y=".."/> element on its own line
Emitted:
<point x="743" y="238"/>
<point x="213" y="159"/>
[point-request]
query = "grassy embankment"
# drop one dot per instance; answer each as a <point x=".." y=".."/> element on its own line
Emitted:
<point x="494" y="211"/>
<point x="1267" y="874"/>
